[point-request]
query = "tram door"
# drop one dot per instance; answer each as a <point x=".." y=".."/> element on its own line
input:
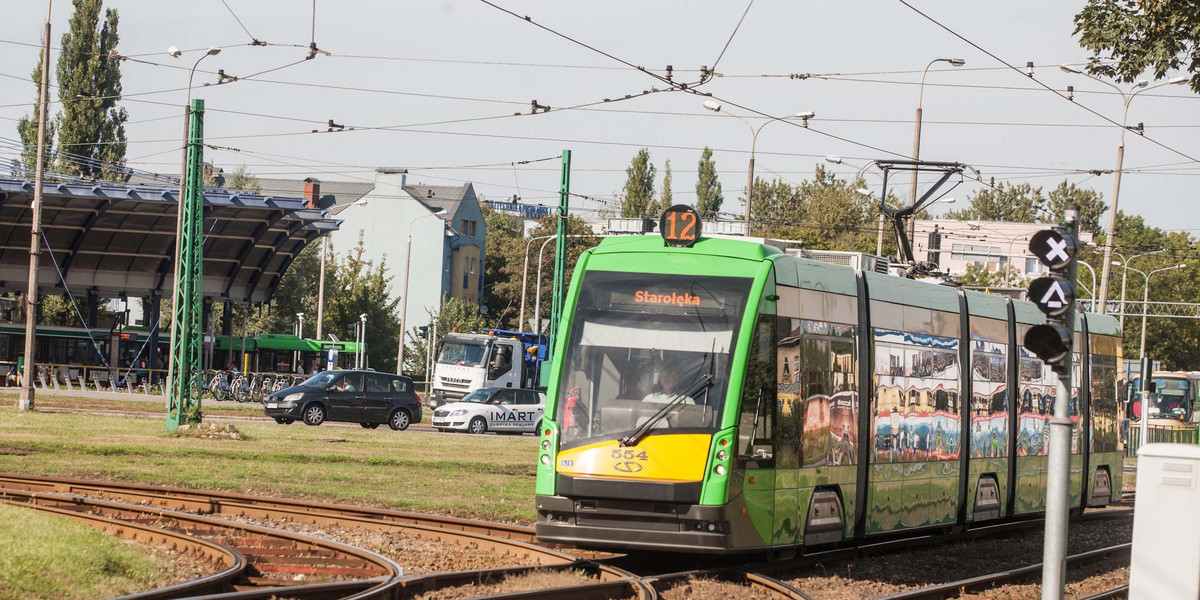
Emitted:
<point x="773" y="516"/>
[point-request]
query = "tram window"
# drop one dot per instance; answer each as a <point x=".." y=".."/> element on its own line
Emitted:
<point x="756" y="428"/>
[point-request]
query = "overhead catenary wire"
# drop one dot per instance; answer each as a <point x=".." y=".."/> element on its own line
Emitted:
<point x="1047" y="87"/>
<point x="253" y="39"/>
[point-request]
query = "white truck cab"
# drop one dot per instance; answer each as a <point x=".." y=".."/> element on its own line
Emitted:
<point x="470" y="361"/>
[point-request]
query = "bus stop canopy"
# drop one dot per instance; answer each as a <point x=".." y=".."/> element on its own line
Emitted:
<point x="115" y="239"/>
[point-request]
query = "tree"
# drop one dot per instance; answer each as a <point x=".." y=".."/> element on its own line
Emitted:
<point x="1015" y="203"/>
<point x="582" y="238"/>
<point x="90" y="126"/>
<point x="359" y="286"/>
<point x="708" y="187"/>
<point x="1129" y="37"/>
<point x="1024" y="203"/>
<point x="1090" y="202"/>
<point x="503" y="266"/>
<point x="666" y="201"/>
<point x="979" y="276"/>
<point x="27" y="129"/>
<point x="824" y="213"/>
<point x="454" y="315"/>
<point x="638" y="198"/>
<point x="242" y="179"/>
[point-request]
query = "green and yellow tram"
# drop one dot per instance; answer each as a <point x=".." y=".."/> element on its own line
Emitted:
<point x="726" y="396"/>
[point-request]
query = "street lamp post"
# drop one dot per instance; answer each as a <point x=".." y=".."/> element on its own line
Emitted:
<point x="362" y="341"/>
<point x="1145" y="427"/>
<point x="300" y="334"/>
<point x="187" y="113"/>
<point x="804" y="116"/>
<point x="956" y="62"/>
<point x="1125" y="276"/>
<point x="1092" y="290"/>
<point x="1139" y="87"/>
<point x="404" y="287"/>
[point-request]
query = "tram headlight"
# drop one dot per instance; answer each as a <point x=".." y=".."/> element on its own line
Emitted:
<point x="720" y="469"/>
<point x="546" y="459"/>
<point x="722" y="455"/>
<point x="546" y="445"/>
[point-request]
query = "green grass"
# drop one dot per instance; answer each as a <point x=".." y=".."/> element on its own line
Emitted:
<point x="51" y="557"/>
<point x="488" y="477"/>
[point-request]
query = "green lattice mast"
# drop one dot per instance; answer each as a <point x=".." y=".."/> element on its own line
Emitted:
<point x="184" y="379"/>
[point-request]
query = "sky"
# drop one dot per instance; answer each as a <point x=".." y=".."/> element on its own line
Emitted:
<point x="444" y="89"/>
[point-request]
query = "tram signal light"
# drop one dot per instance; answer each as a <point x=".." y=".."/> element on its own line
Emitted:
<point x="1054" y="295"/>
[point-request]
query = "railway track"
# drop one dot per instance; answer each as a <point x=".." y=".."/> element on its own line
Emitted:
<point x="954" y="589"/>
<point x="259" y="562"/>
<point x="147" y="507"/>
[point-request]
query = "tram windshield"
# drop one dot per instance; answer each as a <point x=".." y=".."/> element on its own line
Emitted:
<point x="648" y="354"/>
<point x="1170" y="398"/>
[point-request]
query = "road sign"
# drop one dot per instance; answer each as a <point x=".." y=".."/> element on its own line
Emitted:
<point x="1055" y="248"/>
<point x="1053" y="295"/>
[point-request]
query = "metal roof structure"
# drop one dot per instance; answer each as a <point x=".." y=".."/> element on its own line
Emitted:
<point x="117" y="239"/>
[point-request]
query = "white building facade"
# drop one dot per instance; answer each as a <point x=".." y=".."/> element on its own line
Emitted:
<point x="448" y="240"/>
<point x="995" y="245"/>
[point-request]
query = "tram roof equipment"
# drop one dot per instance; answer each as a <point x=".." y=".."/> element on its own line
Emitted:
<point x="119" y="239"/>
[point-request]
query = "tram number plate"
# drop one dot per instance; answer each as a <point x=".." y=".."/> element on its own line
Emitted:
<point x="272" y="405"/>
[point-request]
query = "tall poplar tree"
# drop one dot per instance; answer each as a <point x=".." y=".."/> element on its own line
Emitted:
<point x="708" y="187"/>
<point x="666" y="200"/>
<point x="639" y="187"/>
<point x="91" y="127"/>
<point x="27" y="129"/>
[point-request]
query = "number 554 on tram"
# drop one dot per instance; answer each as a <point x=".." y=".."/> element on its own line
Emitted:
<point x="716" y="395"/>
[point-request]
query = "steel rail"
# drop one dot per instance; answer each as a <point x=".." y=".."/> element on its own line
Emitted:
<point x="1113" y="594"/>
<point x="733" y="574"/>
<point x="954" y="588"/>
<point x="234" y="562"/>
<point x="613" y="579"/>
<point x="209" y="501"/>
<point x="267" y="550"/>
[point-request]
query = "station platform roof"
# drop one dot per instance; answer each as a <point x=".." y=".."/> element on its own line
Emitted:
<point x="119" y="239"/>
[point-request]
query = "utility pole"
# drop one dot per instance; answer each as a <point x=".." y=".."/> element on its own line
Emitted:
<point x="35" y="232"/>
<point x="321" y="289"/>
<point x="560" y="249"/>
<point x="184" y="381"/>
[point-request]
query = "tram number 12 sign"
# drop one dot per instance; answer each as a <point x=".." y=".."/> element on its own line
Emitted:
<point x="680" y="226"/>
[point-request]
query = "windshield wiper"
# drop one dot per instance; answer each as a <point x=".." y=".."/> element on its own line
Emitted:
<point x="636" y="435"/>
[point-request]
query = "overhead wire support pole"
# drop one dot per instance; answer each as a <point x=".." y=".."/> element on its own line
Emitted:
<point x="26" y="401"/>
<point x="560" y="246"/>
<point x="183" y="399"/>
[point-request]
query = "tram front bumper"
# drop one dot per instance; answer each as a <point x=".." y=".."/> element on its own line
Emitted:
<point x="600" y="523"/>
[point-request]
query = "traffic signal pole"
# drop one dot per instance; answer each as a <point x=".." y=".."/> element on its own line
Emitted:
<point x="1058" y="488"/>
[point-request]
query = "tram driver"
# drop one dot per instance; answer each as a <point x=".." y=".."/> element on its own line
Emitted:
<point x="670" y="386"/>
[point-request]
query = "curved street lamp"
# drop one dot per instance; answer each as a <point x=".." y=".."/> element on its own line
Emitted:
<point x="1146" y="374"/>
<point x="954" y="62"/>
<point x="1126" y="97"/>
<point x="1125" y="275"/>
<point x="404" y="288"/>
<point x="715" y="106"/>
